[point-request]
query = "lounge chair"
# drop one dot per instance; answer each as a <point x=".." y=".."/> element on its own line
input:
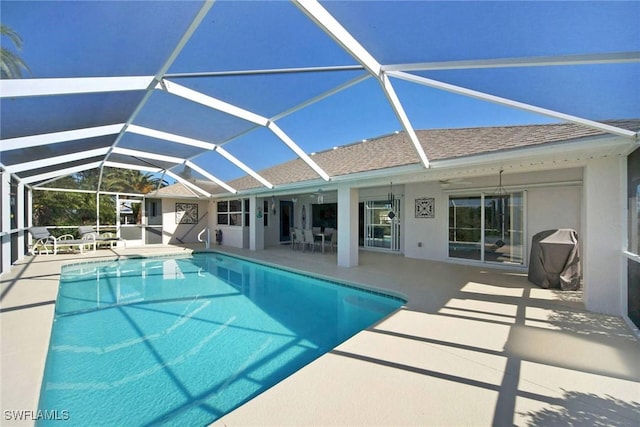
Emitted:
<point x="102" y="240"/>
<point x="45" y="242"/>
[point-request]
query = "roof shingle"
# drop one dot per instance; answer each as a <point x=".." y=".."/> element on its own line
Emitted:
<point x="395" y="149"/>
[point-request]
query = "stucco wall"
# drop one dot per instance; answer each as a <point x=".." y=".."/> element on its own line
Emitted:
<point x="185" y="232"/>
<point x="550" y="204"/>
<point x="605" y="203"/>
<point x="432" y="233"/>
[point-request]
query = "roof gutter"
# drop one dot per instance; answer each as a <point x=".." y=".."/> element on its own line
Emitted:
<point x="609" y="144"/>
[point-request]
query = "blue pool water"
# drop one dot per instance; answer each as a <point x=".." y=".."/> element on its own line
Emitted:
<point x="182" y="341"/>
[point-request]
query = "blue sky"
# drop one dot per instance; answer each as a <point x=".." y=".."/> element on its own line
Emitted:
<point x="101" y="38"/>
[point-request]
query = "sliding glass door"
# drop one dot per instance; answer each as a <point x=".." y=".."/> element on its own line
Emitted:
<point x="382" y="225"/>
<point x="487" y="228"/>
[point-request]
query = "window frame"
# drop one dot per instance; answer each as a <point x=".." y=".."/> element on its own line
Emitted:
<point x="229" y="212"/>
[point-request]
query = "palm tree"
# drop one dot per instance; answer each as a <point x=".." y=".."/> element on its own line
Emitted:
<point x="131" y="181"/>
<point x="11" y="65"/>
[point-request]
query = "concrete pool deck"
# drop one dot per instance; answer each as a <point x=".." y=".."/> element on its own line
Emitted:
<point x="472" y="346"/>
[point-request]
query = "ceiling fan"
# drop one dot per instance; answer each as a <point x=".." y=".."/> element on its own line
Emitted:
<point x="319" y="195"/>
<point x="453" y="181"/>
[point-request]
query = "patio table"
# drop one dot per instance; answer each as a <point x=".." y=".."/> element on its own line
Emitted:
<point x="322" y="236"/>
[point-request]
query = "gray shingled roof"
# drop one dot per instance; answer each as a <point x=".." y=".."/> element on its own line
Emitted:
<point x="394" y="150"/>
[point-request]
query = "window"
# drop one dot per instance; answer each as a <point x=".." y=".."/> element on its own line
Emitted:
<point x="487" y="228"/>
<point x="230" y="212"/>
<point x="247" y="213"/>
<point x="265" y="213"/>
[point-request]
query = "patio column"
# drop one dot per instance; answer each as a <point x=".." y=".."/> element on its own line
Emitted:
<point x="5" y="184"/>
<point x="256" y="225"/>
<point x="347" y="226"/>
<point x="603" y="235"/>
<point x="20" y="211"/>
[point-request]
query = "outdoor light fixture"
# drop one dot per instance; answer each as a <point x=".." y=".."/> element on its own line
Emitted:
<point x="500" y="191"/>
<point x="390" y="200"/>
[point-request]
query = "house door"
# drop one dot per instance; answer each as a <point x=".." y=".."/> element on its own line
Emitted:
<point x="487" y="228"/>
<point x="286" y="220"/>
<point x="130" y="212"/>
<point x="153" y="229"/>
<point x="382" y="225"/>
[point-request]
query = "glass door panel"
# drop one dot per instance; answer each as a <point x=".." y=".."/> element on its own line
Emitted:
<point x="382" y="229"/>
<point x="153" y="230"/>
<point x="465" y="227"/>
<point x="516" y="228"/>
<point x="130" y="212"/>
<point x="503" y="228"/>
<point x="487" y="228"/>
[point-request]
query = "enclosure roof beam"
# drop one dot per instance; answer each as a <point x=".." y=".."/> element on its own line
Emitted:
<point x="188" y="184"/>
<point x="50" y="161"/>
<point x="318" y="14"/>
<point x="198" y="144"/>
<point x="273" y="127"/>
<point x="511" y="103"/>
<point x="148" y="155"/>
<point x="531" y="61"/>
<point x="56" y="137"/>
<point x="19" y="88"/>
<point x="210" y="177"/>
<point x="323" y="19"/>
<point x="211" y="102"/>
<point x="60" y="172"/>
<point x="241" y="113"/>
<point x="193" y="26"/>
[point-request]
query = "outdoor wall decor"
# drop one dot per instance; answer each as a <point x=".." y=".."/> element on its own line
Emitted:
<point x="426" y="207"/>
<point x="186" y="213"/>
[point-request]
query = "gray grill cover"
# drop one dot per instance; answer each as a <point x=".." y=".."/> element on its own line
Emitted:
<point x="555" y="260"/>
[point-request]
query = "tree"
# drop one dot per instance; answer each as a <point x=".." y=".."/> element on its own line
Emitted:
<point x="11" y="65"/>
<point x="62" y="208"/>
<point x="130" y="181"/>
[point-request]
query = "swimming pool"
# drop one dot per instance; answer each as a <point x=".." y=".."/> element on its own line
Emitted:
<point x="183" y="341"/>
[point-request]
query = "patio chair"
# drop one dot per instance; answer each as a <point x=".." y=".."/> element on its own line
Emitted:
<point x="334" y="240"/>
<point x="45" y="241"/>
<point x="103" y="240"/>
<point x="297" y="238"/>
<point x="309" y="240"/>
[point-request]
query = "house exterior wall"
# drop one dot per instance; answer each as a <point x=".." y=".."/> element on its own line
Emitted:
<point x="272" y="231"/>
<point x="553" y="200"/>
<point x="431" y="233"/>
<point x="550" y="208"/>
<point x="186" y="232"/>
<point x="556" y="198"/>
<point x="232" y="235"/>
<point x="604" y="224"/>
